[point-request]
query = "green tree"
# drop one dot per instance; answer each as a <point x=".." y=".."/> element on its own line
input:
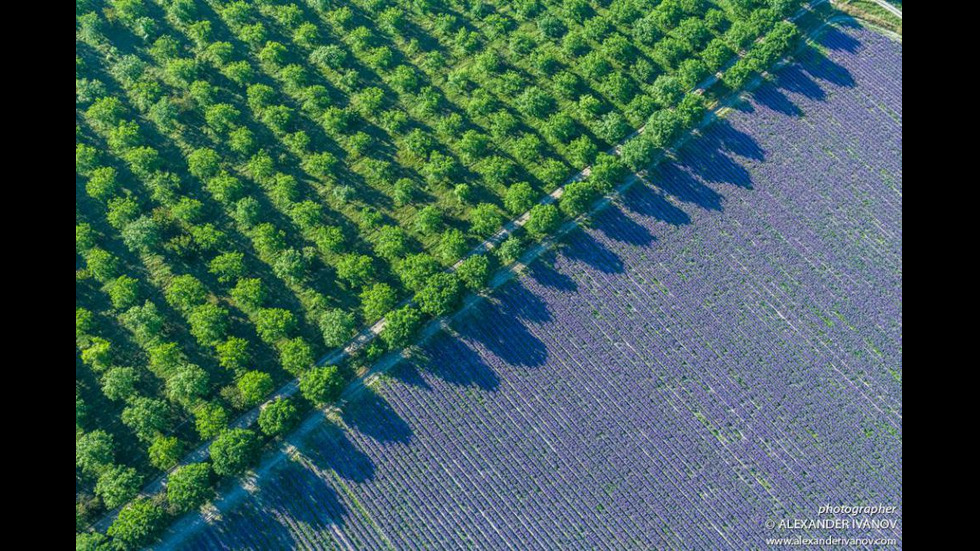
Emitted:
<point x="210" y="419"/>
<point x="274" y="324"/>
<point x="416" y="270"/>
<point x="638" y="153"/>
<point x="209" y="324"/>
<point x="147" y="417"/>
<point x="94" y="452"/>
<point x="474" y="272"/>
<point x="228" y="267"/>
<point x="185" y="292"/>
<point x="377" y="300"/>
<point x="401" y="327"/>
<point x="663" y="128"/>
<point x="429" y="220"/>
<point x="278" y="417"/>
<point x="543" y="220"/>
<point x="233" y="353"/>
<point x="440" y="294"/>
<point x="102" y="184"/>
<point x="391" y="242"/>
<point x="295" y="355"/>
<point x="452" y="245"/>
<point x="233" y="451"/>
<point x="119" y="383"/>
<point x="187" y="384"/>
<point x="249" y="294"/>
<point x="337" y="327"/>
<point x="321" y="385"/>
<point x="578" y="197"/>
<point x="519" y="198"/>
<point x="189" y="487"/>
<point x="137" y="524"/>
<point x="510" y="250"/>
<point x="607" y="172"/>
<point x="165" y="452"/>
<point x="117" y="485"/>
<point x="485" y="219"/>
<point x="355" y="269"/>
<point x="102" y="265"/>
<point x="254" y="386"/>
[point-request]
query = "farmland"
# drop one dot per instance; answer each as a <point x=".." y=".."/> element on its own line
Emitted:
<point x="257" y="183"/>
<point x="721" y="347"/>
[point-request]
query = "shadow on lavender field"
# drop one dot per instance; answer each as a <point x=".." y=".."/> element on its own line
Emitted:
<point x="646" y="200"/>
<point x="543" y="272"/>
<point x="330" y="448"/>
<point x="518" y="345"/>
<point x="584" y="248"/>
<point x="298" y="495"/>
<point x="371" y="415"/>
<point x="614" y="224"/>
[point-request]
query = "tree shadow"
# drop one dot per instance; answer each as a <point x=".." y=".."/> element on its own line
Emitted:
<point x="371" y="415"/>
<point x="303" y="496"/>
<point x="817" y="65"/>
<point x="725" y="137"/>
<point x="709" y="162"/>
<point x="840" y="40"/>
<point x="646" y="200"/>
<point x="677" y="180"/>
<point x="799" y="80"/>
<point x="773" y="98"/>
<point x="329" y="448"/>
<point x="517" y="301"/>
<point x="616" y="225"/>
<point x="407" y="371"/>
<point x="543" y="272"/>
<point x="451" y="359"/>
<point x="583" y="247"/>
<point x="496" y="326"/>
<point x="289" y="496"/>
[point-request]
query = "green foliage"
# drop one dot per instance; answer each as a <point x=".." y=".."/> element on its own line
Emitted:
<point x="337" y="327"/>
<point x="119" y="383"/>
<point x="278" y="417"/>
<point x="137" y="524"/>
<point x="578" y="197"/>
<point x="543" y="220"/>
<point x="147" y="417"/>
<point x="117" y="485"/>
<point x="452" y="245"/>
<point x="233" y="451"/>
<point x="485" y="219"/>
<point x="439" y="296"/>
<point x="474" y="272"/>
<point x="377" y="300"/>
<point x="233" y="353"/>
<point x="638" y="153"/>
<point x="210" y="419"/>
<point x="416" y="270"/>
<point x="94" y="452"/>
<point x="401" y="327"/>
<point x="274" y="324"/>
<point x="189" y="487"/>
<point x="510" y="250"/>
<point x="254" y="386"/>
<point x="520" y="198"/>
<point x="295" y="355"/>
<point x="321" y="385"/>
<point x="165" y="452"/>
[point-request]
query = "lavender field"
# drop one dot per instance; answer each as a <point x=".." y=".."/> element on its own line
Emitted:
<point x="721" y="348"/>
